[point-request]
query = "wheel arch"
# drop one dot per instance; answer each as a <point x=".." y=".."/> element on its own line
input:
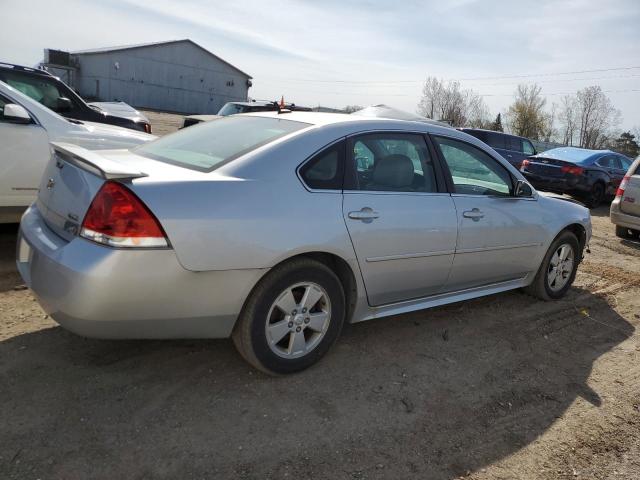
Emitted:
<point x="579" y="231"/>
<point x="337" y="264"/>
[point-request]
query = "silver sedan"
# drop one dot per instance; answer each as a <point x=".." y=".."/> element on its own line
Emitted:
<point x="276" y="228"/>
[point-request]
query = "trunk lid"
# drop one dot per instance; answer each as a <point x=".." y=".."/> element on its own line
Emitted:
<point x="548" y="167"/>
<point x="71" y="180"/>
<point x="74" y="176"/>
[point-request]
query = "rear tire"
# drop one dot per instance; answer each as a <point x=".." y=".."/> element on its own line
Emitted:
<point x="596" y="195"/>
<point x="556" y="274"/>
<point x="292" y="317"/>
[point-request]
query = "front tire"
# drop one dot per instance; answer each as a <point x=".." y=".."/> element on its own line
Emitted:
<point x="558" y="269"/>
<point x="626" y="233"/>
<point x="292" y="317"/>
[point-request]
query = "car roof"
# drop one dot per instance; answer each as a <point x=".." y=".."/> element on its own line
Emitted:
<point x="26" y="70"/>
<point x="574" y="154"/>
<point x="326" y="118"/>
<point x="469" y="129"/>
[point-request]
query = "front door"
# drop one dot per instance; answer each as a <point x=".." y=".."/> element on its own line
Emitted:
<point x="402" y="225"/>
<point x="499" y="235"/>
<point x="24" y="152"/>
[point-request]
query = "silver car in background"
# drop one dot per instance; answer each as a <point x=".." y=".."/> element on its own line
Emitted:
<point x="625" y="208"/>
<point x="275" y="229"/>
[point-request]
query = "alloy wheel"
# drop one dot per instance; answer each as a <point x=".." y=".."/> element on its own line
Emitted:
<point x="298" y="320"/>
<point x="560" y="267"/>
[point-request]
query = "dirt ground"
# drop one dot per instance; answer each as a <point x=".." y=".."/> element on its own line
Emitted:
<point x="503" y="387"/>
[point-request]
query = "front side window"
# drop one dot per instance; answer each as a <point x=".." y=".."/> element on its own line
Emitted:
<point x="41" y="89"/>
<point x="325" y="171"/>
<point x="392" y="162"/>
<point x="527" y="148"/>
<point x="473" y="171"/>
<point x="626" y="163"/>
<point x="209" y="145"/>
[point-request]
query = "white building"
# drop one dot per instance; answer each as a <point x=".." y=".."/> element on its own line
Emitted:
<point x="176" y="76"/>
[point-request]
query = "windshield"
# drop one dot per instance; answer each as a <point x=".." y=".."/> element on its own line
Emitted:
<point x="232" y="109"/>
<point x="209" y="145"/>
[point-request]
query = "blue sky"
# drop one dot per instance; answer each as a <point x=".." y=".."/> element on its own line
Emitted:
<point x="336" y="52"/>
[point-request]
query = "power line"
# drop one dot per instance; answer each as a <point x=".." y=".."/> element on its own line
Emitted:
<point x="480" y="94"/>
<point x="501" y="77"/>
<point x="576" y="79"/>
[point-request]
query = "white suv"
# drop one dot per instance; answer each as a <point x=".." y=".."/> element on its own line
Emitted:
<point x="26" y="128"/>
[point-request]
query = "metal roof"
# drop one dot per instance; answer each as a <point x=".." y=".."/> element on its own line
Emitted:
<point x="155" y="44"/>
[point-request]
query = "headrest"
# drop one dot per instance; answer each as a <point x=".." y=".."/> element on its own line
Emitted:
<point x="395" y="171"/>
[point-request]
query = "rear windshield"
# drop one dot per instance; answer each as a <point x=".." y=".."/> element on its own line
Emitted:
<point x="209" y="145"/>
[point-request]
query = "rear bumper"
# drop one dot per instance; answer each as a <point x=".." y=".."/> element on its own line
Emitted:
<point x="103" y="292"/>
<point x="622" y="219"/>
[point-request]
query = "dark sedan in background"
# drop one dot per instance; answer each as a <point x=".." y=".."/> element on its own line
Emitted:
<point x="589" y="175"/>
<point x="514" y="149"/>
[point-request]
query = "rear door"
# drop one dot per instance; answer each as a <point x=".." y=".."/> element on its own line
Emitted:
<point x="499" y="235"/>
<point x="613" y="166"/>
<point x="402" y="223"/>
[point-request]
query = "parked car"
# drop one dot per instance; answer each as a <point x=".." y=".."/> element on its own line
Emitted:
<point x="190" y="120"/>
<point x="275" y="229"/>
<point x="513" y="148"/>
<point x="589" y="175"/>
<point x="232" y="108"/>
<point x="53" y="93"/>
<point x="625" y="208"/>
<point x="26" y="128"/>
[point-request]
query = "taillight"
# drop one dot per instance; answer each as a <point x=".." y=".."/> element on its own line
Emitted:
<point x="622" y="186"/>
<point x="116" y="217"/>
<point x="572" y="170"/>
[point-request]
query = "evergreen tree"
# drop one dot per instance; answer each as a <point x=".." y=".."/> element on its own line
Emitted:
<point x="497" y="124"/>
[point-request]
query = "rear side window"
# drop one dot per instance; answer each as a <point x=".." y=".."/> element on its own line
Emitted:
<point x="325" y="171"/>
<point x="209" y="145"/>
<point x="514" y="143"/>
<point x="391" y="162"/>
<point x="495" y="140"/>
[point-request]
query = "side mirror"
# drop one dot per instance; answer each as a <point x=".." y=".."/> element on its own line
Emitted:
<point x="523" y="189"/>
<point x="64" y="105"/>
<point x="14" y="113"/>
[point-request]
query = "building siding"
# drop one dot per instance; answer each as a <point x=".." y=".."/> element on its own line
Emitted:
<point x="178" y="77"/>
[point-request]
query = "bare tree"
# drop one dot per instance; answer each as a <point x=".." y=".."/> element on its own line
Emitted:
<point x="568" y="119"/>
<point x="596" y="117"/>
<point x="352" y="108"/>
<point x="526" y="116"/>
<point x="451" y="103"/>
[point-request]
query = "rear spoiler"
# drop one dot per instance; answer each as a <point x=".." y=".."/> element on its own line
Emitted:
<point x="94" y="162"/>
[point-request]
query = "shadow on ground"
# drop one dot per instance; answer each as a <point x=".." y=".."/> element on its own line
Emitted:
<point x="439" y="393"/>
<point x="9" y="276"/>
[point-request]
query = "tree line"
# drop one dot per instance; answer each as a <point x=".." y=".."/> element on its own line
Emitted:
<point x="587" y="119"/>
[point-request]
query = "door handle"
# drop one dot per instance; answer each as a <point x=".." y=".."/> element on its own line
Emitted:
<point x="365" y="214"/>
<point x="474" y="214"/>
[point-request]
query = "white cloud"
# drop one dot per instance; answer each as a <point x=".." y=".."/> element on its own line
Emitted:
<point x="285" y="43"/>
